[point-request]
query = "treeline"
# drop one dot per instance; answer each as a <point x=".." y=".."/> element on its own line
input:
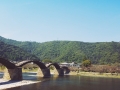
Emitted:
<point x="71" y="51"/>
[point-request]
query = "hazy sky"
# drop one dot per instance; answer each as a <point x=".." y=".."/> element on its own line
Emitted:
<point x="48" y="20"/>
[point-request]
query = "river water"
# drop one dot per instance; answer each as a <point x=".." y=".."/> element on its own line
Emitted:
<point x="69" y="82"/>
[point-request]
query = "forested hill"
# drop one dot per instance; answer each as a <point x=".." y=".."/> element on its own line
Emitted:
<point x="28" y="46"/>
<point x="15" y="53"/>
<point x="71" y="51"/>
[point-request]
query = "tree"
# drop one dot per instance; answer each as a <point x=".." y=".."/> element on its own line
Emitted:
<point x="86" y="63"/>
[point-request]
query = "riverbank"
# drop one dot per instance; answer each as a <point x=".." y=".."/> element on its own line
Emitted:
<point x="4" y="84"/>
<point x="96" y="74"/>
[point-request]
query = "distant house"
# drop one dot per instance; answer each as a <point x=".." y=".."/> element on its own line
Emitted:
<point x="65" y="64"/>
<point x="77" y="65"/>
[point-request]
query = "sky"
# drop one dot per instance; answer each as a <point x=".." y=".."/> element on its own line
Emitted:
<point x="69" y="20"/>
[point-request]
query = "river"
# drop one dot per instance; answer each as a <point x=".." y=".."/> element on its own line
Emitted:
<point x="69" y="82"/>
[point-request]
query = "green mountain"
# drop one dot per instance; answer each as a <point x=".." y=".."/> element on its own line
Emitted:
<point x="28" y="46"/>
<point x="71" y="51"/>
<point x="15" y="53"/>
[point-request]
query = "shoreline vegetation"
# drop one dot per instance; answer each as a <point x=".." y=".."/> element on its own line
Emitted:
<point x="96" y="74"/>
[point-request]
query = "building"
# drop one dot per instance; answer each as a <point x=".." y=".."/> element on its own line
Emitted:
<point x="77" y="65"/>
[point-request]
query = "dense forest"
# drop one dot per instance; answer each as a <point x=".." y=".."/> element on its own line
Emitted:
<point x="67" y="51"/>
<point x="15" y="53"/>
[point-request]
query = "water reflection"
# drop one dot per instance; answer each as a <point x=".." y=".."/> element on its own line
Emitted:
<point x="71" y="83"/>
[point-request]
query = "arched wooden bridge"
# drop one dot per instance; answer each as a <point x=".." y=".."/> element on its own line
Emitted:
<point x="14" y="71"/>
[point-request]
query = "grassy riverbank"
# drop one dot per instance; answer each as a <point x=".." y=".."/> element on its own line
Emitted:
<point x="96" y="74"/>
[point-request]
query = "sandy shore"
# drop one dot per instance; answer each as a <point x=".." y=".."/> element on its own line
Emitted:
<point x="10" y="84"/>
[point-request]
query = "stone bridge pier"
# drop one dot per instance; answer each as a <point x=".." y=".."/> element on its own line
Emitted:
<point x="60" y="72"/>
<point x="13" y="74"/>
<point x="43" y="72"/>
<point x="67" y="71"/>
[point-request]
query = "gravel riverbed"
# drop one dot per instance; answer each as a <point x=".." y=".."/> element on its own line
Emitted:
<point x="4" y="84"/>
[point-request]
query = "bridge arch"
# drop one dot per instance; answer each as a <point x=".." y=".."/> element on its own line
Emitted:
<point x="7" y="63"/>
<point x="54" y="64"/>
<point x="66" y="69"/>
<point x="11" y="72"/>
<point x="43" y="70"/>
<point x="60" y="71"/>
<point x="40" y="64"/>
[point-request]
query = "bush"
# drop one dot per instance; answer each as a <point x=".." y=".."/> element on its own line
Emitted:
<point x="86" y="63"/>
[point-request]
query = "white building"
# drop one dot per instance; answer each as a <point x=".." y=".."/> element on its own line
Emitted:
<point x="70" y="64"/>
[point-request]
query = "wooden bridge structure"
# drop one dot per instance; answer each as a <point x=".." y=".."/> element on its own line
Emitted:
<point x="14" y="71"/>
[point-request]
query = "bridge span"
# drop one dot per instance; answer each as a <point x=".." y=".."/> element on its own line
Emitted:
<point x="14" y="71"/>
